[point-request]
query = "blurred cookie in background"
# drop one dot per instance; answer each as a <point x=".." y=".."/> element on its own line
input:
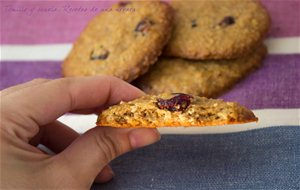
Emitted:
<point x="119" y="43"/>
<point x="203" y="78"/>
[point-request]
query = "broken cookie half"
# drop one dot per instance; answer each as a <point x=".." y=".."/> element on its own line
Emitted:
<point x="174" y="110"/>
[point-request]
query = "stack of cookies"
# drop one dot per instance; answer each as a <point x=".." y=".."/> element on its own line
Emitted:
<point x="194" y="47"/>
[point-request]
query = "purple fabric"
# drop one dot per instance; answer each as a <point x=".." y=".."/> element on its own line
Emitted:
<point x="16" y="72"/>
<point x="49" y="22"/>
<point x="62" y="21"/>
<point x="285" y="16"/>
<point x="275" y="85"/>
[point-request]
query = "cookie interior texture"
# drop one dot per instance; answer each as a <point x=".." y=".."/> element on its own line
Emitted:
<point x="216" y="29"/>
<point x="145" y="112"/>
<point x="203" y="78"/>
<point x="121" y="43"/>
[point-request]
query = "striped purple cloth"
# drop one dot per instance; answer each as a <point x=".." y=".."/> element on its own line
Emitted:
<point x="62" y="21"/>
<point x="275" y="85"/>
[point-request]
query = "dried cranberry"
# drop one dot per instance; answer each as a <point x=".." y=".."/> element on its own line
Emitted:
<point x="194" y="23"/>
<point x="228" y="20"/>
<point x="99" y="53"/>
<point x="180" y="102"/>
<point x="143" y="26"/>
<point x="124" y="3"/>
